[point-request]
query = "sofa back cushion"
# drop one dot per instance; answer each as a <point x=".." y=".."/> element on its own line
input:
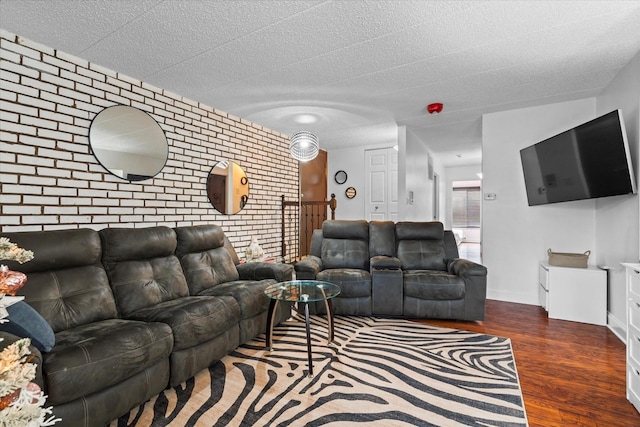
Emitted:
<point x="382" y="238"/>
<point x="66" y="282"/>
<point x="345" y="244"/>
<point x="142" y="267"/>
<point x="204" y="255"/>
<point x="421" y="245"/>
<point x="316" y="243"/>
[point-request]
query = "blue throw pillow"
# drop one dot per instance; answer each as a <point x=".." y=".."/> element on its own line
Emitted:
<point x="25" y="322"/>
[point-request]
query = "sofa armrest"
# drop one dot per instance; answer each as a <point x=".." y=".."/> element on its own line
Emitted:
<point x="475" y="283"/>
<point x="265" y="270"/>
<point x="382" y="262"/>
<point x="386" y="286"/>
<point x="308" y="268"/>
<point x="465" y="268"/>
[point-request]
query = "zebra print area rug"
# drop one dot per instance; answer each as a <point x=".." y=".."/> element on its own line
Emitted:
<point x="377" y="371"/>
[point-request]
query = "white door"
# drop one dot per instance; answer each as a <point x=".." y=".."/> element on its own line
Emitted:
<point x="381" y="171"/>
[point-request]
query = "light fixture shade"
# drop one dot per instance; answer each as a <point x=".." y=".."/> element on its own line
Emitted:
<point x="304" y="146"/>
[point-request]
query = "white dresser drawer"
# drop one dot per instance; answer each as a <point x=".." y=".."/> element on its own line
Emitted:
<point x="634" y="312"/>
<point x="543" y="297"/>
<point x="633" y="384"/>
<point x="633" y="333"/>
<point x="543" y="277"/>
<point x="634" y="285"/>
<point x="633" y="344"/>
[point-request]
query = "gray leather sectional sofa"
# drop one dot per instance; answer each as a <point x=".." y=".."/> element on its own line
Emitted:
<point x="135" y="311"/>
<point x="408" y="269"/>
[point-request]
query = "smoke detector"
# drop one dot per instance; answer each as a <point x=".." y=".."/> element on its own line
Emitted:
<point x="436" y="107"/>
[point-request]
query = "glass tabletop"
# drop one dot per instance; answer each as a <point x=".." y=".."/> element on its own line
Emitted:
<point x="302" y="291"/>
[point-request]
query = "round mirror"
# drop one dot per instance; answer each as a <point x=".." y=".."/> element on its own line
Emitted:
<point x="340" y="177"/>
<point x="228" y="187"/>
<point x="128" y="142"/>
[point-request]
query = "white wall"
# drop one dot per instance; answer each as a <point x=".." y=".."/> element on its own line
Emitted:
<point x="617" y="218"/>
<point x="402" y="167"/>
<point x="417" y="180"/>
<point x="515" y="235"/>
<point x="350" y="160"/>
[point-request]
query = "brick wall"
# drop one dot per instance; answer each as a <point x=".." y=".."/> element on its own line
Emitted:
<point x="51" y="180"/>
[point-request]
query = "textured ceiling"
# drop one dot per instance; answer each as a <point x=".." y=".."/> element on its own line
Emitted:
<point x="353" y="70"/>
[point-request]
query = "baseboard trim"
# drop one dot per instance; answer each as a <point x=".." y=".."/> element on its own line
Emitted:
<point x="517" y="297"/>
<point x="617" y="327"/>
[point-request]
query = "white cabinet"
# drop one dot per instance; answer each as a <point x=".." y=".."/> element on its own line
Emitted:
<point x="577" y="294"/>
<point x="633" y="334"/>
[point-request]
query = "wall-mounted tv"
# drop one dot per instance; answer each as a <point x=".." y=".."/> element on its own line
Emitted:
<point x="589" y="161"/>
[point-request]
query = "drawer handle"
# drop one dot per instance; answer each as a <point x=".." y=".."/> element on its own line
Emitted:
<point x="635" y="371"/>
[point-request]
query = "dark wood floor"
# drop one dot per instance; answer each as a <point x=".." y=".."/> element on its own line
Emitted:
<point x="572" y="374"/>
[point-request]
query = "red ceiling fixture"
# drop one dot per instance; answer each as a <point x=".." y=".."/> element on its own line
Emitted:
<point x="436" y="107"/>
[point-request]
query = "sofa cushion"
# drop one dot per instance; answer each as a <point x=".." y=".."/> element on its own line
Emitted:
<point x="198" y="238"/>
<point x="421" y="245"/>
<point x="407" y="230"/>
<point x="433" y="285"/>
<point x="382" y="262"/>
<point x="346" y="229"/>
<point x="125" y="244"/>
<point x="205" y="256"/>
<point x="353" y="283"/>
<point x="382" y="239"/>
<point x="249" y="295"/>
<point x="66" y="283"/>
<point x="207" y="269"/>
<point x="90" y="358"/>
<point x="265" y="270"/>
<point x="345" y="244"/>
<point x="142" y="268"/>
<point x="193" y="319"/>
<point x="25" y="322"/>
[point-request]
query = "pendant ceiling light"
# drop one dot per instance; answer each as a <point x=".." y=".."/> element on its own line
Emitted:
<point x="304" y="146"/>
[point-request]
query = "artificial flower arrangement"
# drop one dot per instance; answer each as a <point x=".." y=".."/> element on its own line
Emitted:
<point x="21" y="400"/>
<point x="12" y="281"/>
<point x="11" y="252"/>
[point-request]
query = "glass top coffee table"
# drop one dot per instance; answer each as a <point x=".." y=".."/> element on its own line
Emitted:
<point x="301" y="291"/>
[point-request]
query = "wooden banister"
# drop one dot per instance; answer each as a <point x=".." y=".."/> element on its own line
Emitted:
<point x="308" y="216"/>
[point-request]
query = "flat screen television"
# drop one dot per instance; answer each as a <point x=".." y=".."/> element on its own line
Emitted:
<point x="589" y="161"/>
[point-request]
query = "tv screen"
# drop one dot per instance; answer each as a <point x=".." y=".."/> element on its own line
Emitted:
<point x="589" y="161"/>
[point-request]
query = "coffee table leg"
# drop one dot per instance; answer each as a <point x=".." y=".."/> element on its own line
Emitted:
<point x="306" y="318"/>
<point x="273" y="308"/>
<point x="329" y="305"/>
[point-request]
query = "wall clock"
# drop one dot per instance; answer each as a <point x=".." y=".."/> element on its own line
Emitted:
<point x="350" y="193"/>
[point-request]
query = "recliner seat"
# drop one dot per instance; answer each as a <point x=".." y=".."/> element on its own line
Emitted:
<point x="212" y="268"/>
<point x="344" y="260"/>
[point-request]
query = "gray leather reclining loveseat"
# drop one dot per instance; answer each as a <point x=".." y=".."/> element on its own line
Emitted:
<point x="409" y="269"/>
<point x="135" y="311"/>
